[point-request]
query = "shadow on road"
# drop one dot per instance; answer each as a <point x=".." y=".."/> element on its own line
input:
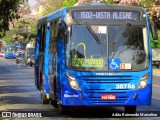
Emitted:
<point x="17" y="89"/>
<point x="32" y="99"/>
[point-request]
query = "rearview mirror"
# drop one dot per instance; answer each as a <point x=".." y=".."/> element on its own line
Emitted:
<point x="62" y="28"/>
<point x="153" y="30"/>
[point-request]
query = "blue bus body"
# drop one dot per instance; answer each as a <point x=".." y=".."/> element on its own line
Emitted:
<point x="72" y="85"/>
<point x="10" y="51"/>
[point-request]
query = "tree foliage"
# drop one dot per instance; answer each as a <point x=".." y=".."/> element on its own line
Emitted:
<point x="151" y="6"/>
<point x="153" y="9"/>
<point x="68" y="3"/>
<point x="8" y="12"/>
<point x="23" y="29"/>
<point x="156" y="43"/>
<point x="48" y="6"/>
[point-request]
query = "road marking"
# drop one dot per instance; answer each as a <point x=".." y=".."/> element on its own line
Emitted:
<point x="155" y="98"/>
<point x="156" y="85"/>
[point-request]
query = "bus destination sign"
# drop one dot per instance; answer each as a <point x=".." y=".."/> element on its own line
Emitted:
<point x="88" y="15"/>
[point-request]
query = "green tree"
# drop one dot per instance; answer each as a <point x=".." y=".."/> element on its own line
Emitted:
<point x="24" y="29"/>
<point x="152" y="7"/>
<point x="8" y="12"/>
<point x="49" y="6"/>
<point x="68" y="3"/>
<point x="156" y="43"/>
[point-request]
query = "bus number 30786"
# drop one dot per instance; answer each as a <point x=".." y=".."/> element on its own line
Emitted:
<point x="125" y="86"/>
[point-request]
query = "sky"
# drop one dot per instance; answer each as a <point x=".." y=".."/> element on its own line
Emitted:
<point x="31" y="2"/>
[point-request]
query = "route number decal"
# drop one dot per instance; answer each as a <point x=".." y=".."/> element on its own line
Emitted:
<point x="125" y="86"/>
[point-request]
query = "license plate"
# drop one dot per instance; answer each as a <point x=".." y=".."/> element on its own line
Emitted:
<point x="108" y="97"/>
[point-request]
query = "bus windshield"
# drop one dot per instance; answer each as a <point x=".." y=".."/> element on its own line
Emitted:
<point x="10" y="49"/>
<point x="117" y="50"/>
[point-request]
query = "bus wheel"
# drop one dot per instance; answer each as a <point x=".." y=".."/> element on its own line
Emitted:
<point x="130" y="109"/>
<point x="44" y="100"/>
<point x="54" y="103"/>
<point x="61" y="109"/>
<point x="37" y="84"/>
<point x="158" y="65"/>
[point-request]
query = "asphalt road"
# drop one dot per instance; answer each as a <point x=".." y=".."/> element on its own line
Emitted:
<point x="18" y="93"/>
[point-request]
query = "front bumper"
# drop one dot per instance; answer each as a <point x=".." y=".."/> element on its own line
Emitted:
<point x="10" y="56"/>
<point x="72" y="97"/>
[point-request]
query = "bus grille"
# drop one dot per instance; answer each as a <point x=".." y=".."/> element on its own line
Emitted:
<point x="110" y="79"/>
<point x="99" y="85"/>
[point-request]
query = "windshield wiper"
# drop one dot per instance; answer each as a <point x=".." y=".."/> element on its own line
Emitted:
<point x="93" y="33"/>
<point x="119" y="35"/>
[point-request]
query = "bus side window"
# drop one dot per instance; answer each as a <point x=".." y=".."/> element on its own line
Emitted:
<point x="44" y="38"/>
<point x="53" y="46"/>
<point x="40" y="37"/>
<point x="51" y="38"/>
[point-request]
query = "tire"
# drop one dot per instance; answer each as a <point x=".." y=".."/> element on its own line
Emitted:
<point x="40" y="80"/>
<point x="44" y="100"/>
<point x="36" y="80"/>
<point x="158" y="65"/>
<point x="54" y="103"/>
<point x="17" y="62"/>
<point x="62" y="109"/>
<point x="37" y="84"/>
<point x="130" y="109"/>
<point x="30" y="64"/>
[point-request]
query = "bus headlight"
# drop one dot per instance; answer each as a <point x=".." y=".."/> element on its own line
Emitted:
<point x="72" y="82"/>
<point x="143" y="82"/>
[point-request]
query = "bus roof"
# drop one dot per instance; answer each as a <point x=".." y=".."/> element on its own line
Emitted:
<point x="108" y="6"/>
<point x="52" y="16"/>
<point x="60" y="13"/>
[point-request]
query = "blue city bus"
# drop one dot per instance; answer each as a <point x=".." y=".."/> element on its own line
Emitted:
<point x="95" y="55"/>
<point x="10" y="51"/>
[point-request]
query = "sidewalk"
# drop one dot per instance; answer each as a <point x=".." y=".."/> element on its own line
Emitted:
<point x="156" y="71"/>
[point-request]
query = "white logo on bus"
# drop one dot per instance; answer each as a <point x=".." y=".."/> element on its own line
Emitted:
<point x="113" y="64"/>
